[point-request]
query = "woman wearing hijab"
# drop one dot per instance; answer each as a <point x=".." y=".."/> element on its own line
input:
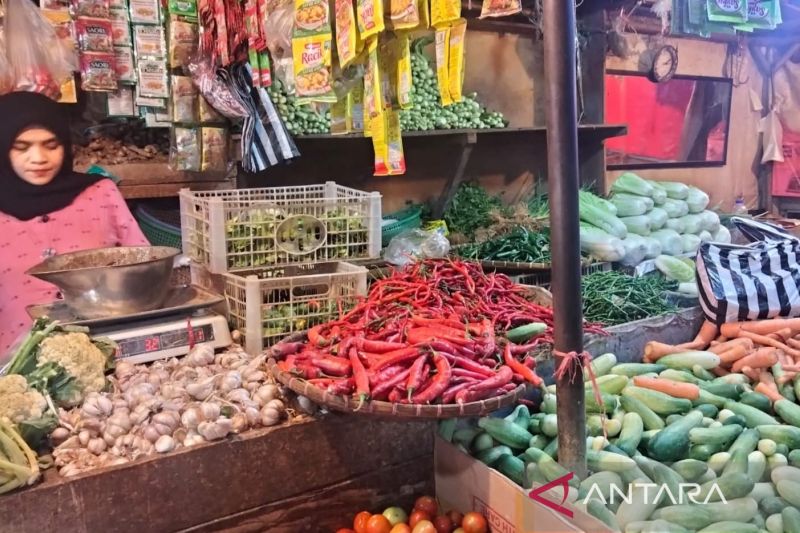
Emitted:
<point x="45" y="207"/>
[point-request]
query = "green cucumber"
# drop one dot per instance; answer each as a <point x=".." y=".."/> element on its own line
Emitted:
<point x="782" y="449"/>
<point x="601" y="460"/>
<point x="521" y="416"/>
<point x="747" y="440"/>
<point x="726" y="390"/>
<point x="791" y="520"/>
<point x="513" y="468"/>
<point x="639" y="506"/>
<point x="548" y="404"/>
<point x="702" y="373"/>
<point x="723" y="435"/>
<point x="602" y="364"/>
<point x="718" y="462"/>
<point x="650" y="418"/>
<point x="785" y="472"/>
<point x="738" y="510"/>
<point x="611" y="383"/>
<point x="492" y="455"/>
<point x="735" y="419"/>
<point x="506" y="432"/>
<point x="610" y="402"/>
<point x="663" y="476"/>
<point x="687" y="360"/>
<point x="598" y="509"/>
<point x="774" y="524"/>
<point x="756" y="465"/>
<point x="672" y="443"/>
<point x="636" y="369"/>
<point x="539" y="441"/>
<point x="768" y="447"/>
<point x="533" y="475"/>
<point x="691" y="517"/>
<point x="788" y="411"/>
<point x="713" y="399"/>
<point x="794" y="458"/>
<point x="524" y="333"/>
<point x="549" y="425"/>
<point x="680" y="375"/>
<point x="730" y="527"/>
<point x="708" y="410"/>
<point x="465" y="436"/>
<point x="731" y="486"/>
<point x="647" y="436"/>
<point x="781" y="434"/>
<point x="789" y="491"/>
<point x="661" y="403"/>
<point x="552" y="448"/>
<point x="631" y="433"/>
<point x="690" y="469"/>
<point x="752" y="416"/>
<point x="738" y="463"/>
<point x="772" y="505"/>
<point x="551" y="469"/>
<point x="762" y="490"/>
<point x="757" y="400"/>
<point x="703" y="452"/>
<point x="600" y="483"/>
<point x="482" y="442"/>
<point x="776" y="461"/>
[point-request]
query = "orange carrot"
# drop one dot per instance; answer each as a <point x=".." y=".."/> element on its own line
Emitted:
<point x="766" y="341"/>
<point x="794" y="343"/>
<point x="719" y="371"/>
<point x="781" y="335"/>
<point x="761" y="358"/>
<point x="728" y="357"/>
<point x="653" y="351"/>
<point x="750" y="373"/>
<point x="708" y="332"/>
<point x="769" y="392"/>
<point x="675" y="389"/>
<point x="760" y="327"/>
<point x="786" y="377"/>
<point x="725" y="346"/>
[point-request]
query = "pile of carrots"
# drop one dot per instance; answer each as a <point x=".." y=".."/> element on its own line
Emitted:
<point x="766" y="351"/>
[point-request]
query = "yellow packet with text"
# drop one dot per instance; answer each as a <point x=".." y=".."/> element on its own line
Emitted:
<point x="423" y="8"/>
<point x="443" y="64"/>
<point x="346" y="35"/>
<point x="369" y="14"/>
<point x="387" y="142"/>
<point x="311" y="57"/>
<point x="311" y="17"/>
<point x="404" y="72"/>
<point x="373" y="89"/>
<point x="388" y="53"/>
<point x="403" y="14"/>
<point x="378" y="130"/>
<point x="444" y="11"/>
<point x="455" y="61"/>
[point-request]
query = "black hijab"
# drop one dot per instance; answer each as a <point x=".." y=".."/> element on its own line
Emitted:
<point x="20" y="199"/>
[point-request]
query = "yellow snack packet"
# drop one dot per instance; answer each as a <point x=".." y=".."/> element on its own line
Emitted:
<point x="346" y="36"/>
<point x="404" y="72"/>
<point x="423" y="8"/>
<point x="379" y="146"/>
<point x="444" y="11"/>
<point x="500" y="8"/>
<point x="369" y="14"/>
<point x="456" y="49"/>
<point x="388" y="51"/>
<point x="403" y="14"/>
<point x="311" y="57"/>
<point x="340" y="117"/>
<point x="443" y="64"/>
<point x="311" y="17"/>
<point x="395" y="159"/>
<point x="373" y="89"/>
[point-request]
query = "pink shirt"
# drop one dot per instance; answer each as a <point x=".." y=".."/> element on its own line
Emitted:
<point x="98" y="218"/>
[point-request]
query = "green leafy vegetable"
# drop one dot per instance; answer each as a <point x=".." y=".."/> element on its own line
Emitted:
<point x="615" y="298"/>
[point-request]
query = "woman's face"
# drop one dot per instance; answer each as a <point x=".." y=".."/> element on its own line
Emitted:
<point x="36" y="156"/>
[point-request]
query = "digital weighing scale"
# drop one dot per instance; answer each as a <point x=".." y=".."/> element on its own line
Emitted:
<point x="184" y="320"/>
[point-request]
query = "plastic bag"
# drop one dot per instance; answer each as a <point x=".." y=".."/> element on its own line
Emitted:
<point x="216" y="92"/>
<point x="39" y="60"/>
<point x="416" y="244"/>
<point x="6" y="79"/>
<point x="278" y="33"/>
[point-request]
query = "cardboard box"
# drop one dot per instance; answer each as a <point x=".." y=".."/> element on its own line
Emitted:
<point x="465" y="483"/>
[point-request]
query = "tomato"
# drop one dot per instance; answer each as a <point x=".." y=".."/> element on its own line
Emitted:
<point x="474" y="523"/>
<point x="395" y="515"/>
<point x="424" y="526"/>
<point x="360" y="523"/>
<point x="401" y="528"/>
<point x="345" y="530"/>
<point x="443" y="524"/>
<point x="427" y="504"/>
<point x="417" y="516"/>
<point x="459" y="530"/>
<point x="455" y="517"/>
<point x="378" y="523"/>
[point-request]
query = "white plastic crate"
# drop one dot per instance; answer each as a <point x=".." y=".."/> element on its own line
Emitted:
<point x="245" y="229"/>
<point x="267" y="305"/>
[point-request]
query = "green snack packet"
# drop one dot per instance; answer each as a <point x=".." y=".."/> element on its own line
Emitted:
<point x="762" y="14"/>
<point x="186" y="8"/>
<point x="733" y="11"/>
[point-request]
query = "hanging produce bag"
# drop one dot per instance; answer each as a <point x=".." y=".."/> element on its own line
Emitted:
<point x="751" y="282"/>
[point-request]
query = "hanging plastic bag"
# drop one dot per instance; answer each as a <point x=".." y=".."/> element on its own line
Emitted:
<point x="215" y="91"/>
<point x="278" y="28"/>
<point x="6" y="79"/>
<point x="39" y="60"/>
<point x="416" y="244"/>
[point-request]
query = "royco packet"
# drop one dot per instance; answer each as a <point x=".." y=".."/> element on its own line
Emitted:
<point x="124" y="65"/>
<point x="403" y="14"/>
<point x="734" y="11"/>
<point x="455" y="60"/>
<point x="311" y="17"/>
<point x="145" y="11"/>
<point x="443" y="64"/>
<point x="346" y="36"/>
<point x="312" y="67"/>
<point x="153" y="77"/>
<point x="444" y="11"/>
<point x="214" y="150"/>
<point x="500" y="8"/>
<point x="120" y="27"/>
<point x="369" y="14"/>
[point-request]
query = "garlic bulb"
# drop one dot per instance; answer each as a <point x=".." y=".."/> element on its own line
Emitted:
<point x="270" y="416"/>
<point x="165" y="444"/>
<point x="201" y="355"/>
<point x="266" y="393"/>
<point x="201" y="390"/>
<point x="97" y="406"/>
<point x="210" y="411"/>
<point x="229" y="381"/>
<point x="96" y="446"/>
<point x="215" y="430"/>
<point x="238" y="396"/>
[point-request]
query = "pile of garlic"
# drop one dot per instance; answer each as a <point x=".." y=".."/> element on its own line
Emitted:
<point x="168" y="405"/>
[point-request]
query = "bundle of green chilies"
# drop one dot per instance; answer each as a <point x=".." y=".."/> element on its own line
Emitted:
<point x="439" y="331"/>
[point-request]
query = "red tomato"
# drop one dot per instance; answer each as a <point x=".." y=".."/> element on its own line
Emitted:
<point x="417" y="516"/>
<point x="443" y="524"/>
<point x="345" y="530"/>
<point x="455" y="518"/>
<point x="474" y="523"/>
<point x="427" y="504"/>
<point x="378" y="524"/>
<point x="401" y="528"/>
<point x="360" y="523"/>
<point x="424" y="526"/>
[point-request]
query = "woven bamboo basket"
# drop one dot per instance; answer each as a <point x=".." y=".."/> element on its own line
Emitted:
<point x="347" y="404"/>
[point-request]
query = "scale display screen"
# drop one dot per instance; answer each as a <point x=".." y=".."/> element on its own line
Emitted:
<point x="163" y="341"/>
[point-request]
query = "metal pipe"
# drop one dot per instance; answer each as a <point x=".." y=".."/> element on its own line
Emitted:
<point x="563" y="183"/>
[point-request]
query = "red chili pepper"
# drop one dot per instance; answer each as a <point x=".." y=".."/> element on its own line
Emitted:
<point x="396" y="396"/>
<point x="379" y="346"/>
<point x="463" y="372"/>
<point x="470" y="365"/>
<point x="360" y="377"/>
<point x="342" y="387"/>
<point x="444" y="346"/>
<point x="307" y="370"/>
<point x="380" y="391"/>
<point x="315" y="337"/>
<point x="527" y="373"/>
<point x="439" y="384"/>
<point x="322" y="382"/>
<point x="450" y="394"/>
<point x="282" y="349"/>
<point x="502" y="376"/>
<point x="416" y="374"/>
<point x="471" y="395"/>
<point x="426" y="335"/>
<point x="376" y="378"/>
<point x="333" y="366"/>
<point x="397" y="356"/>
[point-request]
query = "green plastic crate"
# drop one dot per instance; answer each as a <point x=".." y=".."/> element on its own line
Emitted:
<point x="157" y="232"/>
<point x="408" y="218"/>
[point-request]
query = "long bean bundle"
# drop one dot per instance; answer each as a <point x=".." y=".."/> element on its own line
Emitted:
<point x="615" y="298"/>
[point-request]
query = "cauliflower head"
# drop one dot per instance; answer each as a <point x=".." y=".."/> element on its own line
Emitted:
<point x="81" y="359"/>
<point x="18" y="402"/>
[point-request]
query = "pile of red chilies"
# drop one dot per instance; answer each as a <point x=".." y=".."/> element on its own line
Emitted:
<point x="431" y="333"/>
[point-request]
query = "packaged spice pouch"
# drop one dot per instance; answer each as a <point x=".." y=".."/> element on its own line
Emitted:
<point x="120" y="27"/>
<point x="90" y="8"/>
<point x="500" y="8"/>
<point x="123" y="65"/>
<point x="369" y="15"/>
<point x="184" y="100"/>
<point x="762" y="14"/>
<point x="183" y="39"/>
<point x="206" y="112"/>
<point x="221" y="43"/>
<point x="443" y="64"/>
<point x="94" y="35"/>
<point x="456" y="51"/>
<point x="184" y="8"/>
<point x="151" y="120"/>
<point x="153" y="76"/>
<point x="119" y="4"/>
<point x="147" y="101"/>
<point x="373" y="96"/>
<point x="184" y="153"/>
<point x="265" y="69"/>
<point x="423" y="8"/>
<point x="340" y="117"/>
<point x="356" y="108"/>
<point x="388" y="55"/>
<point x="403" y="72"/>
<point x="145" y="11"/>
<point x="312" y="64"/>
<point x="55" y="7"/>
<point x="311" y="17"/>
<point x="346" y="36"/>
<point x="444" y="11"/>
<point x="403" y="14"/>
<point x="734" y="11"/>
<point x="120" y="103"/>
<point x="69" y="92"/>
<point x="255" y="70"/>
<point x="387" y="142"/>
<point x="149" y="41"/>
<point x="214" y="150"/>
<point x="98" y="72"/>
